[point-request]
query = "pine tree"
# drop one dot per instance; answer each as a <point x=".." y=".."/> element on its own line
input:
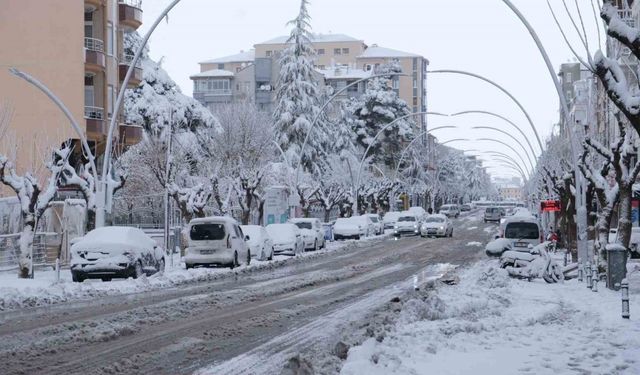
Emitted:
<point x="379" y="106"/>
<point x="297" y="96"/>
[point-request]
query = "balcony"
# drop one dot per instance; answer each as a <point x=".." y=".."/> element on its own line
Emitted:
<point x="94" y="117"/>
<point x="213" y="96"/>
<point x="94" y="60"/>
<point x="125" y="63"/>
<point x="130" y="134"/>
<point x="130" y="13"/>
<point x="91" y="5"/>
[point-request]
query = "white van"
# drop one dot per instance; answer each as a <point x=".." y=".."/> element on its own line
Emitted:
<point x="523" y="231"/>
<point x="216" y="240"/>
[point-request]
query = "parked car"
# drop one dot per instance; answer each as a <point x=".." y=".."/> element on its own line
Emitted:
<point x="351" y="227"/>
<point x="450" y="210"/>
<point x="287" y="239"/>
<point x="390" y="218"/>
<point x="108" y="252"/>
<point x="437" y="225"/>
<point x="419" y="212"/>
<point x="492" y="214"/>
<point x="634" y="242"/>
<point x="408" y="223"/>
<point x="522" y="232"/>
<point x="216" y="240"/>
<point x="465" y="207"/>
<point x="312" y="232"/>
<point x="259" y="241"/>
<point x="378" y="225"/>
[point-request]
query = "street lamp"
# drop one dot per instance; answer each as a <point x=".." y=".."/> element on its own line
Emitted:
<point x="512" y="137"/>
<point x="506" y="145"/>
<point x="502" y="154"/>
<point x="509" y="161"/>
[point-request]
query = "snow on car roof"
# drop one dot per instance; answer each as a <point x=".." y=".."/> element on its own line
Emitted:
<point x="442" y="216"/>
<point x="115" y="236"/>
<point x="303" y="220"/>
<point x="213" y="219"/>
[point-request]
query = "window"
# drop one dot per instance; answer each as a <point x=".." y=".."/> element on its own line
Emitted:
<point x="320" y="51"/>
<point x="366" y="67"/>
<point x="221" y="66"/>
<point x="415" y="83"/>
<point x="528" y="231"/>
<point x="569" y="76"/>
<point x="110" y="100"/>
<point x="395" y="83"/>
<point x="304" y="225"/>
<point x="238" y="68"/>
<point x="345" y="51"/>
<point x="269" y="53"/>
<point x="415" y="63"/>
<point x="337" y="51"/>
<point x="212" y="231"/>
<point x="415" y="101"/>
<point x="110" y="38"/>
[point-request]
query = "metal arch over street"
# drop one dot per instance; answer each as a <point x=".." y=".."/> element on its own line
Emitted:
<point x="510" y="136"/>
<point x="505" y="144"/>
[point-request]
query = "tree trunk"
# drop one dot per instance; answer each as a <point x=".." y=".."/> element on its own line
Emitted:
<point x="624" y="222"/>
<point x="26" y="246"/>
<point x="603" y="225"/>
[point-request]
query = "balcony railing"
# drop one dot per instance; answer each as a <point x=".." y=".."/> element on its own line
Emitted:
<point x="126" y="59"/>
<point x="93" y="44"/>
<point x="214" y="92"/>
<point x="94" y="113"/>
<point x="626" y="16"/>
<point x="132" y="3"/>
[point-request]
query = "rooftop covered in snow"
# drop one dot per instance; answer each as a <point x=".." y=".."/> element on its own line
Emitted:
<point x="243" y="56"/>
<point x="316" y="38"/>
<point x="213" y="73"/>
<point x="343" y="73"/>
<point x="376" y="51"/>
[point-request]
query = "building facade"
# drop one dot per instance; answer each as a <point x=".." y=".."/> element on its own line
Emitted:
<point x="340" y="60"/>
<point x="79" y="55"/>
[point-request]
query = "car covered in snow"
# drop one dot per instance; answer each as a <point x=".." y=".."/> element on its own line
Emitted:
<point x="216" y="240"/>
<point x="120" y="252"/>
<point x="408" y="223"/>
<point x="378" y="225"/>
<point x="419" y="212"/>
<point x="259" y="242"/>
<point x="465" y="207"/>
<point x="450" y="210"/>
<point x="390" y="218"/>
<point x="436" y="225"/>
<point x="287" y="239"/>
<point x="522" y="231"/>
<point x="355" y="227"/>
<point x="312" y="232"/>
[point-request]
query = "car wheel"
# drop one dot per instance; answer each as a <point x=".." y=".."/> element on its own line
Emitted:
<point x="248" y="257"/>
<point x="187" y="265"/>
<point x="161" y="265"/>
<point x="76" y="278"/>
<point x="234" y="262"/>
<point x="271" y="254"/>
<point x="137" y="270"/>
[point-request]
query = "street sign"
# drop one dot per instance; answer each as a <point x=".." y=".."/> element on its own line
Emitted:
<point x="550" y="206"/>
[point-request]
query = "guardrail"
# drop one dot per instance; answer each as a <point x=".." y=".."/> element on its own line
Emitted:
<point x="132" y="3"/>
<point x="93" y="44"/>
<point x="46" y="249"/>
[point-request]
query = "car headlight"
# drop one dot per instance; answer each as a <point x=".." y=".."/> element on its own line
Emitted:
<point x="395" y="226"/>
<point x="415" y="226"/>
<point x="441" y="228"/>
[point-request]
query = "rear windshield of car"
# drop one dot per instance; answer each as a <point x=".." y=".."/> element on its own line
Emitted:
<point x="446" y="207"/>
<point x="527" y="231"/>
<point x="490" y="210"/>
<point x="211" y="232"/>
<point x="304" y="225"/>
<point x="374" y="219"/>
<point x="407" y="218"/>
<point x="435" y="220"/>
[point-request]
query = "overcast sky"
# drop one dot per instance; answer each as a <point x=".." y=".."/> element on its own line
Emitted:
<point x="480" y="36"/>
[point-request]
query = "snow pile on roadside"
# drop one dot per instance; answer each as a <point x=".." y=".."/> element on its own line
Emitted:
<point x="490" y="323"/>
<point x="474" y="243"/>
<point x="44" y="290"/>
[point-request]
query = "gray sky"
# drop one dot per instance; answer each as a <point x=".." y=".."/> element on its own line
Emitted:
<point x="481" y="36"/>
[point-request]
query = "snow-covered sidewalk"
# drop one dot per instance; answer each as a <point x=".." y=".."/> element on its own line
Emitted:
<point x="491" y="324"/>
<point x="44" y="290"/>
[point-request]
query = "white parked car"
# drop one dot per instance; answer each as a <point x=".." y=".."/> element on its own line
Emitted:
<point x="377" y="223"/>
<point x="216" y="240"/>
<point x="451" y="210"/>
<point x="634" y="242"/>
<point x="419" y="212"/>
<point x="312" y="232"/>
<point x="108" y="252"/>
<point x="522" y="232"/>
<point x="349" y="228"/>
<point x="259" y="241"/>
<point x="408" y="223"/>
<point x="390" y="218"/>
<point x="437" y="225"/>
<point x="287" y="239"/>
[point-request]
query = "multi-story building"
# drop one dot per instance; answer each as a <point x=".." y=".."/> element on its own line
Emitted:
<point x="75" y="47"/>
<point x="340" y="60"/>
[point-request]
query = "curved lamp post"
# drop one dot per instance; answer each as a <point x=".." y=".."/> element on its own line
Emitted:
<point x="504" y="144"/>
<point x="502" y="154"/>
<point x="513" y="98"/>
<point x="374" y="140"/>
<point x="513" y="124"/>
<point x="581" y="209"/>
<point x="324" y="106"/>
<point x="509" y="161"/>
<point x="512" y="137"/>
<point x="102" y="185"/>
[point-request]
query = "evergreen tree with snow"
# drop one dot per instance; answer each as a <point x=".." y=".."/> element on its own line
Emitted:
<point x="297" y="96"/>
<point x="379" y="106"/>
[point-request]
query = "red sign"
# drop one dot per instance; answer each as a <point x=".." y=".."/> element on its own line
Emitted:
<point x="550" y="206"/>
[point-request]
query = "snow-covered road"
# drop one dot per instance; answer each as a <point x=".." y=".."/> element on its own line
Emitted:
<point x="247" y="322"/>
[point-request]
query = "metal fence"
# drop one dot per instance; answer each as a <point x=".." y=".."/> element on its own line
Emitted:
<point x="46" y="248"/>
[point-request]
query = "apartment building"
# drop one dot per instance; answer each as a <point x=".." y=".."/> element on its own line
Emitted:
<point x="340" y="60"/>
<point x="75" y="47"/>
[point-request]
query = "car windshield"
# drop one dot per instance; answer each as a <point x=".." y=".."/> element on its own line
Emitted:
<point x="407" y="218"/>
<point x="491" y="210"/>
<point x="528" y="231"/>
<point x="445" y="207"/>
<point x="210" y="232"/>
<point x="304" y="225"/>
<point x="435" y="220"/>
<point x="374" y="219"/>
